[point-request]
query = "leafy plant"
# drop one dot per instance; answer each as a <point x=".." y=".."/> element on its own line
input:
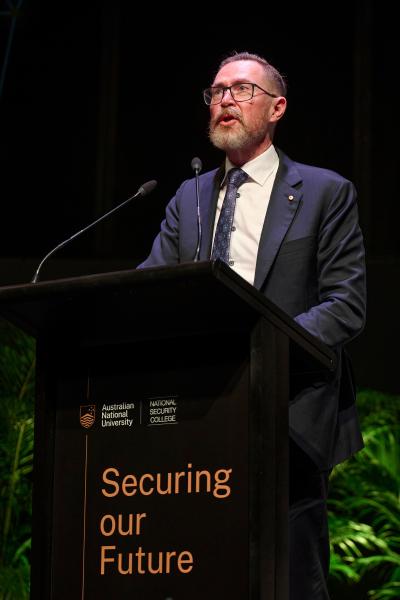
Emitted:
<point x="364" y="502"/>
<point x="17" y="370"/>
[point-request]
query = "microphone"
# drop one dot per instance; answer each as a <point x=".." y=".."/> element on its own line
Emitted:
<point x="144" y="189"/>
<point x="197" y="166"/>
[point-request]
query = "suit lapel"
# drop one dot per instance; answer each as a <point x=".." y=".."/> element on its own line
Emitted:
<point x="282" y="207"/>
<point x="209" y="191"/>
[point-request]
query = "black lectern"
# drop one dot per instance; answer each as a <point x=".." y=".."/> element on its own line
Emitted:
<point x="161" y="441"/>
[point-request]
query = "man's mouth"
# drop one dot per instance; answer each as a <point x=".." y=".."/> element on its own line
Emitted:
<point x="227" y="119"/>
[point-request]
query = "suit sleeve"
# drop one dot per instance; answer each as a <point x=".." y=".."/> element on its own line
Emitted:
<point x="165" y="249"/>
<point x="340" y="313"/>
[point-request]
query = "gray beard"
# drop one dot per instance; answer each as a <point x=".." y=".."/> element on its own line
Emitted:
<point x="235" y="140"/>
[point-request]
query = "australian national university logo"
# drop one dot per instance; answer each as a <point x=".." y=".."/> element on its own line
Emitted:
<point x="87" y="415"/>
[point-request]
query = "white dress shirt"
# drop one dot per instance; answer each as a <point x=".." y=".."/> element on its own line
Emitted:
<point x="250" y="211"/>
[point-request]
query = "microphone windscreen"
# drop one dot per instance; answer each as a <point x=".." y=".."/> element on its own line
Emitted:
<point x="196" y="164"/>
<point x="147" y="187"/>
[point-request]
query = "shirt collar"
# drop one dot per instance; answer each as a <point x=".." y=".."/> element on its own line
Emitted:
<point x="258" y="169"/>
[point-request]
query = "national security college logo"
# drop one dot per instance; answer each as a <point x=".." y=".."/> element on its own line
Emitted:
<point x="87" y="415"/>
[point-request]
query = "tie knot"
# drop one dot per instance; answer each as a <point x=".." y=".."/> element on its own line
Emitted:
<point x="236" y="177"/>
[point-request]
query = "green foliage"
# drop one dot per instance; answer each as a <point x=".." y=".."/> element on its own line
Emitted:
<point x="17" y="371"/>
<point x="364" y="504"/>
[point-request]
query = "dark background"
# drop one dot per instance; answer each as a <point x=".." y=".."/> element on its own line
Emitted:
<point x="97" y="99"/>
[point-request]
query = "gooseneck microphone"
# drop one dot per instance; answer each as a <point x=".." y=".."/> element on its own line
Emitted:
<point x="197" y="166"/>
<point x="144" y="189"/>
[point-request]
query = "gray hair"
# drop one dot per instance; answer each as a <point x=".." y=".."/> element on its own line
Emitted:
<point x="271" y="72"/>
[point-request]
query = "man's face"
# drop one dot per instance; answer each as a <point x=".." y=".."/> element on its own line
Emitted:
<point x="241" y="125"/>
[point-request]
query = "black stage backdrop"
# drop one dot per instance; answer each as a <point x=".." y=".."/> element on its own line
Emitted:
<point x="98" y="99"/>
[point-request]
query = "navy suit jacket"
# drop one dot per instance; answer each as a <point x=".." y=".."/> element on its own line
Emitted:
<point x="311" y="264"/>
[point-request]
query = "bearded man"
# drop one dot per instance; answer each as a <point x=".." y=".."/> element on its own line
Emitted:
<point x="292" y="232"/>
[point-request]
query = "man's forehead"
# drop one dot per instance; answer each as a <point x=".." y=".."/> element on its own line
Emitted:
<point x="239" y="70"/>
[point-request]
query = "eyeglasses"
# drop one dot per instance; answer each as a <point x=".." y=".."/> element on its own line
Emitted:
<point x="240" y="92"/>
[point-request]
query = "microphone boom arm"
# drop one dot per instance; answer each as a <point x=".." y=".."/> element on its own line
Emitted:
<point x="142" y="191"/>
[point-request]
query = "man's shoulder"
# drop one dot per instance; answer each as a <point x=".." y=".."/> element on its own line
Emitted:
<point x="320" y="173"/>
<point x="309" y="173"/>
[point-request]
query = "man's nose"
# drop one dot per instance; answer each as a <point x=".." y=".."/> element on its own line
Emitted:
<point x="227" y="99"/>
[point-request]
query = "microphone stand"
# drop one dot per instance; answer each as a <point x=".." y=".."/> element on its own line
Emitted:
<point x="197" y="166"/>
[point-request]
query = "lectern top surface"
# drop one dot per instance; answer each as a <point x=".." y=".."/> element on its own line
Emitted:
<point x="191" y="296"/>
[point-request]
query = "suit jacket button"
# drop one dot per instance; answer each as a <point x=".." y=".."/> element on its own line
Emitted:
<point x="290" y="197"/>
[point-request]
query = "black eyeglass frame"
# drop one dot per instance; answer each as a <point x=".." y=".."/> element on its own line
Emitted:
<point x="229" y="87"/>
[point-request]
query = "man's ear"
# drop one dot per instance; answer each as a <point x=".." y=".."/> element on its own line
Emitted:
<point x="278" y="108"/>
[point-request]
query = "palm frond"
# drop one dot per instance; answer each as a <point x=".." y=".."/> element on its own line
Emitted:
<point x="364" y="517"/>
<point x="351" y="539"/>
<point x="389" y="590"/>
<point x="17" y="380"/>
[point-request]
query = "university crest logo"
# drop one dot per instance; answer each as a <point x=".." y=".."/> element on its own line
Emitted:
<point x="87" y="415"/>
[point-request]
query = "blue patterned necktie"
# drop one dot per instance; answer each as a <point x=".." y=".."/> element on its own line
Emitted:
<point x="222" y="238"/>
